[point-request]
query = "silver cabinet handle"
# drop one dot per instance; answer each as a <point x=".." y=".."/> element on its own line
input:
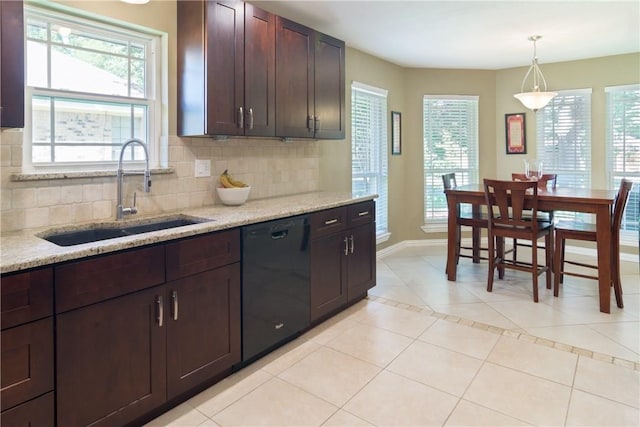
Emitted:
<point x="331" y="221"/>
<point x="346" y="246"/>
<point x="240" y="117"/>
<point x="351" y="244"/>
<point x="363" y="213"/>
<point x="174" y="299"/>
<point x="159" y="311"/>
<point x="250" y="118"/>
<point x="310" y="123"/>
<point x="316" y="124"/>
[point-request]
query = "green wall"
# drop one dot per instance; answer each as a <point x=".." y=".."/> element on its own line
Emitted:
<point x="495" y="88"/>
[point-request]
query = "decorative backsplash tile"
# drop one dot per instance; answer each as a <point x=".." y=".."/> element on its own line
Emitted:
<point x="272" y="167"/>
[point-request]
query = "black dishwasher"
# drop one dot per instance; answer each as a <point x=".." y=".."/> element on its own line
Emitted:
<point x="275" y="283"/>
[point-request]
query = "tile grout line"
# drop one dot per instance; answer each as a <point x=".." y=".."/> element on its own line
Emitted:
<point x="510" y="333"/>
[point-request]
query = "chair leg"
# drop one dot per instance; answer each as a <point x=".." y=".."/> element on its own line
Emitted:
<point x="548" y="250"/>
<point x="557" y="269"/>
<point x="534" y="268"/>
<point x="515" y="249"/>
<point x="561" y="263"/>
<point x="458" y="243"/>
<point x="500" y="255"/>
<point x="615" y="274"/>
<point x="492" y="263"/>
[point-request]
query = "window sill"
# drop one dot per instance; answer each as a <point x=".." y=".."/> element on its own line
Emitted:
<point x="41" y="176"/>
<point x="383" y="237"/>
<point x="435" y="227"/>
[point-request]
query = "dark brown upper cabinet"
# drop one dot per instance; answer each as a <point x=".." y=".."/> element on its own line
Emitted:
<point x="11" y="64"/>
<point x="226" y="69"/>
<point x="309" y="83"/>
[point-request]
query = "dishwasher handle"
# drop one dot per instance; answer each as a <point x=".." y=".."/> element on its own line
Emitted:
<point x="281" y="234"/>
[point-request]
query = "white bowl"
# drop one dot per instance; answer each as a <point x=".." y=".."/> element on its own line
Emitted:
<point x="233" y="196"/>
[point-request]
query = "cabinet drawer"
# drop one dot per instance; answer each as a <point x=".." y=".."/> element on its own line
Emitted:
<point x="198" y="254"/>
<point x="328" y="221"/>
<point x="37" y="412"/>
<point x="96" y="279"/>
<point x="361" y="213"/>
<point x="27" y="362"/>
<point x="26" y="296"/>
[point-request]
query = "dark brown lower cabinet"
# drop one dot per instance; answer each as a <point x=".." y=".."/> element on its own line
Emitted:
<point x="361" y="266"/>
<point x="111" y="360"/>
<point x="328" y="275"/>
<point x="343" y="257"/>
<point x="122" y="358"/>
<point x="203" y="327"/>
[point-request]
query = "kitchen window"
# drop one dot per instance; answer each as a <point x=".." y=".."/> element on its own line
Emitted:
<point x="450" y="145"/>
<point x="90" y="86"/>
<point x="623" y="150"/>
<point x="564" y="140"/>
<point x="369" y="153"/>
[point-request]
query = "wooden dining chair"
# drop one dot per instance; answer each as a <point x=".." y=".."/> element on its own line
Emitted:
<point x="546" y="181"/>
<point x="477" y="221"/>
<point x="508" y="218"/>
<point x="587" y="232"/>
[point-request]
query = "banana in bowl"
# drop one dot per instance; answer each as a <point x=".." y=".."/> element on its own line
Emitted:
<point x="231" y="191"/>
<point x="233" y="196"/>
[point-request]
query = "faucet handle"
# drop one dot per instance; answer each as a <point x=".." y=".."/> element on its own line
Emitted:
<point x="147" y="181"/>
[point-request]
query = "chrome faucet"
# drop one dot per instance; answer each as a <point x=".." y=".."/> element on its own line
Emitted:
<point x="121" y="211"/>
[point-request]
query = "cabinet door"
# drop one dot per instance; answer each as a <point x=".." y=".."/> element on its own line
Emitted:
<point x="111" y="360"/>
<point x="11" y="64"/>
<point x="329" y="115"/>
<point x="37" y="412"/>
<point x="26" y="296"/>
<point x="294" y="79"/>
<point x="203" y="327"/>
<point x="259" y="72"/>
<point x="27" y="362"/>
<point x="328" y="274"/>
<point x="361" y="267"/>
<point x="224" y="28"/>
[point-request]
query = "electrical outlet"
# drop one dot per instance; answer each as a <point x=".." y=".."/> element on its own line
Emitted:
<point x="202" y="168"/>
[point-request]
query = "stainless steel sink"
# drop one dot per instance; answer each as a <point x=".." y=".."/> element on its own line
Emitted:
<point x="118" y="229"/>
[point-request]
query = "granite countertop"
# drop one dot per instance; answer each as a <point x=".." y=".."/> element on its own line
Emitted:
<point x="24" y="249"/>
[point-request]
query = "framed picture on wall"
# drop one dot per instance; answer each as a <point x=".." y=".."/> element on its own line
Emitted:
<point x="396" y="132"/>
<point x="515" y="133"/>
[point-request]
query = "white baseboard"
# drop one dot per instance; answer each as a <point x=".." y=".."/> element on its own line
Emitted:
<point x="624" y="256"/>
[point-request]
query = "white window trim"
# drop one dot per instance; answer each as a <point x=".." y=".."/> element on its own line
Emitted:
<point x="384" y="236"/>
<point x="439" y="225"/>
<point x="158" y="127"/>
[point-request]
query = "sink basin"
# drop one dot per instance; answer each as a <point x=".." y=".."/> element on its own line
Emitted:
<point x="111" y="231"/>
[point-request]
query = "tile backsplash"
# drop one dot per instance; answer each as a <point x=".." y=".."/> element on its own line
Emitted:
<point x="272" y="167"/>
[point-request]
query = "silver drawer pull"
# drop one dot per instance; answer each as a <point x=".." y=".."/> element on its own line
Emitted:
<point x="331" y="221"/>
<point x="160" y="311"/>
<point x="279" y="325"/>
<point x="174" y="297"/>
<point x="363" y="213"/>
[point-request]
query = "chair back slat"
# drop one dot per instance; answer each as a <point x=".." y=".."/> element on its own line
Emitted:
<point x="449" y="181"/>
<point x="507" y="199"/>
<point x="620" y="203"/>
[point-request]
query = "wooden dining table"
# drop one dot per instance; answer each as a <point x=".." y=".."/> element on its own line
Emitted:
<point x="593" y="201"/>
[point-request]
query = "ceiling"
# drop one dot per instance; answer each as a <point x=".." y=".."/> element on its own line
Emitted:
<point x="486" y="35"/>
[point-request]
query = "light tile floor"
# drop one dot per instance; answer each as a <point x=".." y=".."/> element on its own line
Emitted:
<point x="422" y="351"/>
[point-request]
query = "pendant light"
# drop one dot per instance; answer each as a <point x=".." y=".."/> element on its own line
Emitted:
<point x="535" y="99"/>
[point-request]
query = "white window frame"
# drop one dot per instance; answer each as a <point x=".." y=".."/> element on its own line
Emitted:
<point x="378" y="157"/>
<point x="562" y="156"/>
<point x="433" y="172"/>
<point x="631" y="163"/>
<point x="155" y="98"/>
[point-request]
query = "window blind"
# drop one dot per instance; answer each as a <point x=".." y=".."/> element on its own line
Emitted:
<point x="623" y="146"/>
<point x="369" y="160"/>
<point x="450" y="145"/>
<point x="563" y="131"/>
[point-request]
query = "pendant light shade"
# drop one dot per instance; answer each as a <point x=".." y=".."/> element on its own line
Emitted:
<point x="536" y="98"/>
